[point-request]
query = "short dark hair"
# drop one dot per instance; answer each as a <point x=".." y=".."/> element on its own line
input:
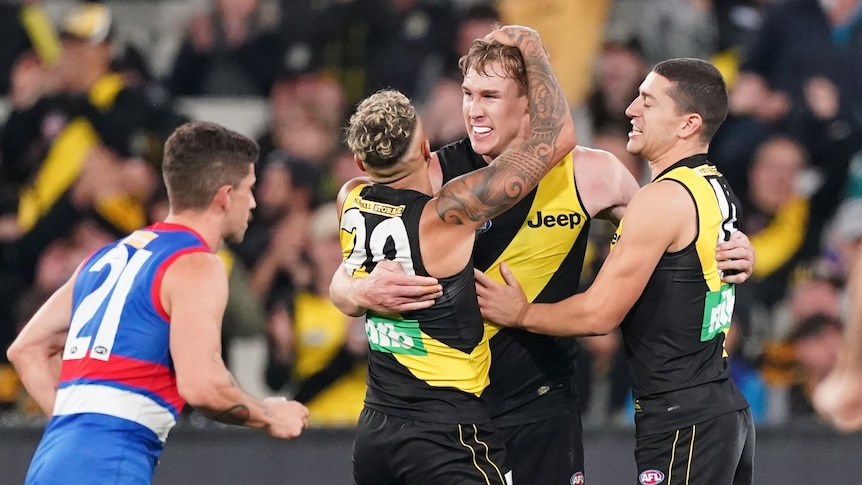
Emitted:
<point x="381" y="129"/>
<point x="200" y="158"/>
<point x="697" y="87"/>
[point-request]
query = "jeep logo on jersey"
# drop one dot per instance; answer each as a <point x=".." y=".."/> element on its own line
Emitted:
<point x="577" y="479"/>
<point x="651" y="477"/>
<point x="570" y="219"/>
<point x="394" y="336"/>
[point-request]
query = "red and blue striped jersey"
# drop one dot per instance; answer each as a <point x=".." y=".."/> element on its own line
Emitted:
<point x="116" y="360"/>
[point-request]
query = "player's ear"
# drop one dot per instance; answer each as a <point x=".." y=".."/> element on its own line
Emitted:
<point x="426" y="150"/>
<point x="222" y="196"/>
<point x="692" y="127"/>
<point x="359" y="163"/>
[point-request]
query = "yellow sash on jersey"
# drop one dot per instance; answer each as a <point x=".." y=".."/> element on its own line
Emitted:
<point x="537" y="251"/>
<point x="63" y="164"/>
<point x="321" y="329"/>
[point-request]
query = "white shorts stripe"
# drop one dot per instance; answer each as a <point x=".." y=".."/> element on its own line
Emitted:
<point x="94" y="398"/>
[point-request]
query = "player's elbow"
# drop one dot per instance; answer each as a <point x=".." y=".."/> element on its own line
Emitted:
<point x="568" y="138"/>
<point x="599" y="327"/>
<point x="20" y="353"/>
<point x="14" y="354"/>
<point x="199" y="391"/>
<point x="601" y="320"/>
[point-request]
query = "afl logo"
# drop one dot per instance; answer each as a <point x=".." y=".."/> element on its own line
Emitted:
<point x="484" y="227"/>
<point x="651" y="477"/>
<point x="577" y="479"/>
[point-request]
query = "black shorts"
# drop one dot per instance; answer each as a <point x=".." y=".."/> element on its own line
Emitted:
<point x="550" y="451"/>
<point x="389" y="450"/>
<point x="716" y="452"/>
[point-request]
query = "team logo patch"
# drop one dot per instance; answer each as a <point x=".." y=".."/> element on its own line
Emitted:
<point x="577" y="479"/>
<point x="651" y="477"/>
<point x="484" y="227"/>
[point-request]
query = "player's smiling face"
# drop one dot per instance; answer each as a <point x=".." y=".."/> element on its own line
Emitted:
<point x="495" y="110"/>
<point x="655" y="119"/>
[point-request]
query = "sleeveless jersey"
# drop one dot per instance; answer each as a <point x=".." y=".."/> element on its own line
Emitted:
<point x="543" y="239"/>
<point x="117" y="397"/>
<point x="674" y="334"/>
<point x="431" y="364"/>
<point x="321" y="330"/>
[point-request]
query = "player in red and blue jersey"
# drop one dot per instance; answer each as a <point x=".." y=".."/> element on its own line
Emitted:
<point x="117" y="351"/>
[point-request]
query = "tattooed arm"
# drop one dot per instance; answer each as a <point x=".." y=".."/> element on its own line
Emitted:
<point x="480" y="195"/>
<point x="194" y="293"/>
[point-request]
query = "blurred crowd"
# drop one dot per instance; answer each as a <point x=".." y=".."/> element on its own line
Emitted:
<point x="91" y="100"/>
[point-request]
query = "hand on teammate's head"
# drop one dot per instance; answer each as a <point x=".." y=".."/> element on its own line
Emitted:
<point x="510" y="34"/>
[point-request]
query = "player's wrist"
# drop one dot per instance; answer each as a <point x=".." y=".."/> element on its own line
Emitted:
<point x="521" y="319"/>
<point x="358" y="293"/>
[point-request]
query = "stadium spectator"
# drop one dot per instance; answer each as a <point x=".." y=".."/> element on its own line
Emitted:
<point x="229" y="50"/>
<point x="838" y="398"/>
<point x="617" y="71"/>
<point x="441" y="107"/>
<point x="25" y="27"/>
<point x="314" y="349"/>
<point x="816" y="342"/>
<point x="803" y="48"/>
<point x="306" y="113"/>
<point x="677" y="28"/>
<point x="288" y="193"/>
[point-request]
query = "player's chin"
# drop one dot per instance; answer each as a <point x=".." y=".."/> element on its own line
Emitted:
<point x="634" y="147"/>
<point x="236" y="237"/>
<point x="481" y="146"/>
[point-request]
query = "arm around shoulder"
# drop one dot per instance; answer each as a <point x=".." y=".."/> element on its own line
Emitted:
<point x="343" y="291"/>
<point x="656" y="220"/>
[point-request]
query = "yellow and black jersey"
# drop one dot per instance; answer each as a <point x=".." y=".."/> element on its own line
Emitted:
<point x="321" y="330"/>
<point x="431" y="364"/>
<point x="124" y="119"/>
<point x="543" y="240"/>
<point x="674" y="334"/>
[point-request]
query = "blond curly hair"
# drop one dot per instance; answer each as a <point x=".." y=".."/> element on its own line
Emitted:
<point x="381" y="129"/>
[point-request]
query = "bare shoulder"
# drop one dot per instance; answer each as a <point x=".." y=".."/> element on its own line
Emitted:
<point x="196" y="272"/>
<point x="605" y="184"/>
<point x="660" y="201"/>
<point x="664" y="210"/>
<point x="593" y="157"/>
<point x="200" y="268"/>
<point x="598" y="166"/>
<point x="347" y="188"/>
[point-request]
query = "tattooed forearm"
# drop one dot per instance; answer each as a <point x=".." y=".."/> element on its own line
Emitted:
<point x="237" y="415"/>
<point x="548" y="107"/>
<point x="486" y="193"/>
